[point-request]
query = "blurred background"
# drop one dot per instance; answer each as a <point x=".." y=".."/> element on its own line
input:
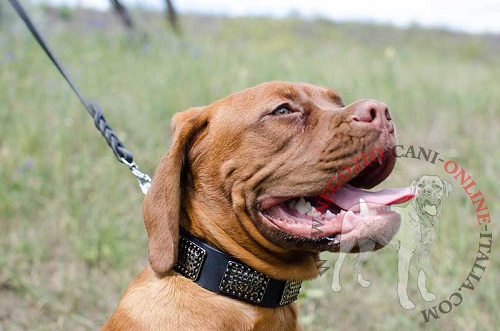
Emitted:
<point x="71" y="231"/>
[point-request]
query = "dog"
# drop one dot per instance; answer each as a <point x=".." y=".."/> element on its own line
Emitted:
<point x="416" y="236"/>
<point x="229" y="238"/>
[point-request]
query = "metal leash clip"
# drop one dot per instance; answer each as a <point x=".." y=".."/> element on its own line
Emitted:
<point x="143" y="179"/>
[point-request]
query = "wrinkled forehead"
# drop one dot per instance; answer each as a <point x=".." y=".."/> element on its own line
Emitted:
<point x="268" y="96"/>
<point x="301" y="92"/>
<point x="427" y="180"/>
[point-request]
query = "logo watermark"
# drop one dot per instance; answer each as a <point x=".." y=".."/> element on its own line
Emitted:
<point x="418" y="234"/>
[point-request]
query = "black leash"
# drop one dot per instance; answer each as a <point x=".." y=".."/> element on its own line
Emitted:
<point x="122" y="154"/>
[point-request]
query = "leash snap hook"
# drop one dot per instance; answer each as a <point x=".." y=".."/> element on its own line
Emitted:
<point x="143" y="178"/>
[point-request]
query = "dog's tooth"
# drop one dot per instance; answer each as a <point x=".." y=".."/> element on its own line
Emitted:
<point x="363" y="208"/>
<point x="302" y="207"/>
<point x="313" y="213"/>
<point x="292" y="204"/>
<point x="333" y="240"/>
<point x="329" y="214"/>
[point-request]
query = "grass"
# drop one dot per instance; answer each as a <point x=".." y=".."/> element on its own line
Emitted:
<point x="70" y="216"/>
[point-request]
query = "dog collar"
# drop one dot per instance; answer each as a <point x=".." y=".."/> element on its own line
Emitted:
<point x="221" y="273"/>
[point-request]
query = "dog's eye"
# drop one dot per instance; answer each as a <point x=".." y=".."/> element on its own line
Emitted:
<point x="282" y="110"/>
<point x="436" y="187"/>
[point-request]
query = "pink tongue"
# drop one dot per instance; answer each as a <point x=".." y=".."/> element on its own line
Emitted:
<point x="348" y="196"/>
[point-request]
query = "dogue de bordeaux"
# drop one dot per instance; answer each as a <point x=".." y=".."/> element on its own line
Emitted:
<point x="231" y="209"/>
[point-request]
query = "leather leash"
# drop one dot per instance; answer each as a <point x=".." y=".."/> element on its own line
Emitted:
<point x="121" y="152"/>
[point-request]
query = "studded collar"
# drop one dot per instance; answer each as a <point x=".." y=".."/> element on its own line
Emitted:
<point x="221" y="273"/>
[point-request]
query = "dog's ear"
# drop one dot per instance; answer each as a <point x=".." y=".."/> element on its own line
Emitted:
<point x="447" y="187"/>
<point x="162" y="205"/>
<point x="414" y="186"/>
<point x="414" y="182"/>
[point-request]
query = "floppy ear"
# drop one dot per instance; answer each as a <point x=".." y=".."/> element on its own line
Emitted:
<point x="414" y="182"/>
<point x="447" y="187"/>
<point x="414" y="186"/>
<point x="162" y="205"/>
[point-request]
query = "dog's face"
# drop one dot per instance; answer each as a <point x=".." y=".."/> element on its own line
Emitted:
<point x="431" y="190"/>
<point x="252" y="166"/>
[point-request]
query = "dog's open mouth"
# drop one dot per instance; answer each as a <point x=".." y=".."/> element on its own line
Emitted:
<point x="336" y="211"/>
<point x="430" y="206"/>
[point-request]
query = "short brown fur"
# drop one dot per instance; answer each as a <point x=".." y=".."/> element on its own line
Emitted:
<point x="223" y="160"/>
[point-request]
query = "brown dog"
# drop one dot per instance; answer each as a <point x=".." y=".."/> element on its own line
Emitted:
<point x="233" y="179"/>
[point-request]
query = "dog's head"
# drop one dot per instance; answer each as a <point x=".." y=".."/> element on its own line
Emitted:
<point x="252" y="174"/>
<point x="431" y="190"/>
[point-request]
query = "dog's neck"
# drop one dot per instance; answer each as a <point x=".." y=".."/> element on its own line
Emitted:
<point x="221" y="273"/>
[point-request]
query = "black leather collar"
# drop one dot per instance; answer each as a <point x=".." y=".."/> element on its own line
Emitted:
<point x="221" y="273"/>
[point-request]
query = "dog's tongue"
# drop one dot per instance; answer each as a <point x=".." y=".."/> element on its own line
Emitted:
<point x="431" y="210"/>
<point x="348" y="196"/>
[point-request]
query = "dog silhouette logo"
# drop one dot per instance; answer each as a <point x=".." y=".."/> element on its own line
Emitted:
<point x="416" y="237"/>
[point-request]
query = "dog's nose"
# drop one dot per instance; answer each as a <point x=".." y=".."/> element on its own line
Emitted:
<point x="371" y="112"/>
<point x="426" y="191"/>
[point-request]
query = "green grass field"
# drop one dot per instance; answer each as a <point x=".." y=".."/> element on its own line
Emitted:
<point x="71" y="231"/>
